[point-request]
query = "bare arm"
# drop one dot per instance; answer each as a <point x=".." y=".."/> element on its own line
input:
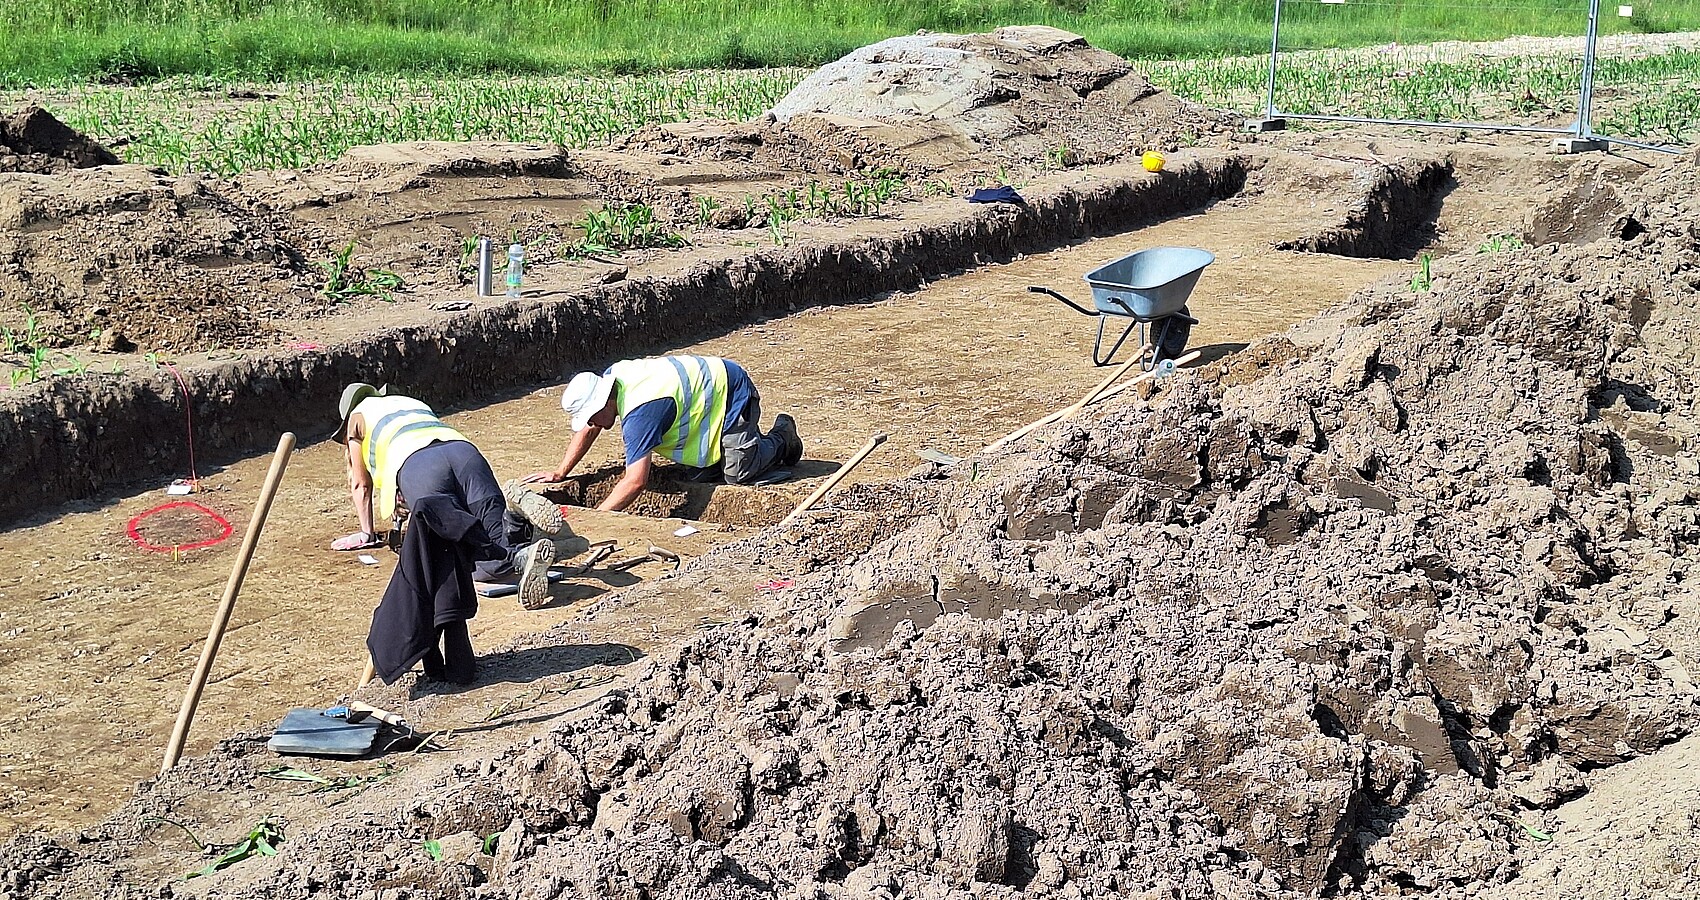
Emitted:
<point x="630" y="486"/>
<point x="576" y="449"/>
<point x="359" y="484"/>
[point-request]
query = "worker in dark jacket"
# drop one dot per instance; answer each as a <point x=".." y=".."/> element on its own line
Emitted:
<point x="430" y="596"/>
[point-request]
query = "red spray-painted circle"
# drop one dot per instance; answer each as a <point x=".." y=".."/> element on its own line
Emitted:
<point x="220" y="525"/>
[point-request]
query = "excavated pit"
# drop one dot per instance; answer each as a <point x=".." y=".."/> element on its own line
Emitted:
<point x="670" y="495"/>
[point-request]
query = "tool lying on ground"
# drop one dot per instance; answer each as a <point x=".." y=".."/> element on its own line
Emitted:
<point x="599" y="551"/>
<point x="861" y="454"/>
<point x="1102" y="392"/>
<point x="509" y="588"/>
<point x="347" y="730"/>
<point x="1075" y="407"/>
<point x="934" y="456"/>
<point x="654" y="554"/>
<point x="1150" y="288"/>
<point x="324" y="732"/>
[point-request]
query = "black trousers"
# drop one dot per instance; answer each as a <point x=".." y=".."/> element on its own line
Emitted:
<point x="455" y="661"/>
<point x="457" y="469"/>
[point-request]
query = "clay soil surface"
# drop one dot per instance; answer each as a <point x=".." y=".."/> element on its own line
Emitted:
<point x="100" y="636"/>
<point x="1437" y="532"/>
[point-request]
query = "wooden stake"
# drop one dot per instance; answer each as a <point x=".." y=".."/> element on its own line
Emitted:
<point x="368" y="673"/>
<point x="238" y="571"/>
<point x="837" y="476"/>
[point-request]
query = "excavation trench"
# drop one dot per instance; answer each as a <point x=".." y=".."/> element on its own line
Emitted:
<point x="73" y="438"/>
<point x="948" y="367"/>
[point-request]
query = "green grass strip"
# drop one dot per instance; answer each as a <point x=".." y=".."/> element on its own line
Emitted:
<point x="57" y="41"/>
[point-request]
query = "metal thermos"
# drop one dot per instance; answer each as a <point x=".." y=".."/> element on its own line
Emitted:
<point x="486" y="267"/>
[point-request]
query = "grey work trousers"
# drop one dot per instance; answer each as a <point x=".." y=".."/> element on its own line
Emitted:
<point x="745" y="453"/>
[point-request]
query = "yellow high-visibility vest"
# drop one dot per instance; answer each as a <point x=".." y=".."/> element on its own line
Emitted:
<point x="697" y="385"/>
<point x="395" y="428"/>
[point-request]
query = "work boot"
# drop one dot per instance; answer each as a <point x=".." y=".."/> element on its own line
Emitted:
<point x="536" y="508"/>
<point x="786" y="428"/>
<point x="533" y="563"/>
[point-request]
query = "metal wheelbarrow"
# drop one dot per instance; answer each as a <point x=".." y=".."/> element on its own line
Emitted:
<point x="1149" y="289"/>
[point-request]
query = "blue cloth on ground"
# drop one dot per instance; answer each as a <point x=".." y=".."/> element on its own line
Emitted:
<point x="1003" y="193"/>
<point x="643" y="428"/>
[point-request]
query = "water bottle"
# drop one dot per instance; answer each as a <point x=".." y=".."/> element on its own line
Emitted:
<point x="516" y="268"/>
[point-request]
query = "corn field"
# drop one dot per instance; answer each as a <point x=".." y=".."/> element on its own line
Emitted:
<point x="204" y="125"/>
<point x="1653" y="97"/>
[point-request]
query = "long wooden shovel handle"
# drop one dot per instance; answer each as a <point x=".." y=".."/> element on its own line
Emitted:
<point x="1030" y="427"/>
<point x="367" y="674"/>
<point x="221" y="619"/>
<point x="1098" y="393"/>
<point x="837" y="476"/>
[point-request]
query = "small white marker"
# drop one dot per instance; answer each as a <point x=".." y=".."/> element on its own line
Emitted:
<point x="1625" y="11"/>
<point x="368" y="559"/>
<point x="686" y="531"/>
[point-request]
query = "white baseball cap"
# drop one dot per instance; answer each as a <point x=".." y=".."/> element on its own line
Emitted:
<point x="585" y="396"/>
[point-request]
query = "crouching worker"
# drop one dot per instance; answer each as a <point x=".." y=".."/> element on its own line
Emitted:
<point x="397" y="447"/>
<point x="702" y="412"/>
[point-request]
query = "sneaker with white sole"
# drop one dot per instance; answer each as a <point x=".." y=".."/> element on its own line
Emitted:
<point x="537" y="509"/>
<point x="534" y="562"/>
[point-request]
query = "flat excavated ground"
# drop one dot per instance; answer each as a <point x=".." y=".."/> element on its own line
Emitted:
<point x="100" y="636"/>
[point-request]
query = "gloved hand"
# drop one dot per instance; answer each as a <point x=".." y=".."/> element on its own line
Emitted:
<point x="359" y="540"/>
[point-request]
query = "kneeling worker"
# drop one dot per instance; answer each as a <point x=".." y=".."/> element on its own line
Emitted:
<point x="702" y="412"/>
<point x="396" y="445"/>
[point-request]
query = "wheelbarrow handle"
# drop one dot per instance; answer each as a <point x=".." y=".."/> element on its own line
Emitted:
<point x="1036" y="289"/>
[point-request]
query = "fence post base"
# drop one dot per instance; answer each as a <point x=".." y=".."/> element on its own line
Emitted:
<point x="1275" y="123"/>
<point x="1581" y="145"/>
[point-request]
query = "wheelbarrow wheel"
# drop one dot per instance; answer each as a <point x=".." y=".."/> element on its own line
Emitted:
<point x="1169" y="335"/>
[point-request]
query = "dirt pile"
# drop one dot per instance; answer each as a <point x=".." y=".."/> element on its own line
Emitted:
<point x="31" y="140"/>
<point x="1353" y="613"/>
<point x="138" y="257"/>
<point x="1015" y="100"/>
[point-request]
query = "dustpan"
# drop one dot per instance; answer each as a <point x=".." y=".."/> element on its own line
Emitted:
<point x="305" y="731"/>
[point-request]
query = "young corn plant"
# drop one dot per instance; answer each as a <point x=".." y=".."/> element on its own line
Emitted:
<point x="1501" y="243"/>
<point x="625" y="226"/>
<point x="345" y="281"/>
<point x="29" y="337"/>
<point x="34" y="367"/>
<point x="706" y="207"/>
<point x="1423" y="281"/>
<point x="261" y="840"/>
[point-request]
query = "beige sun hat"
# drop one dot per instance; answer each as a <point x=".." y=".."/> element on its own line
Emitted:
<point x="351" y="397"/>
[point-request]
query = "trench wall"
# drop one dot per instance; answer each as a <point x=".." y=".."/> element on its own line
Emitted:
<point x="76" y="438"/>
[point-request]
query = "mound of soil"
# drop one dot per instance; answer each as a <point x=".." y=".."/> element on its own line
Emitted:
<point x="1016" y="95"/>
<point x="32" y="140"/>
<point x="1016" y="100"/>
<point x="1352" y="613"/>
<point x="145" y="259"/>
